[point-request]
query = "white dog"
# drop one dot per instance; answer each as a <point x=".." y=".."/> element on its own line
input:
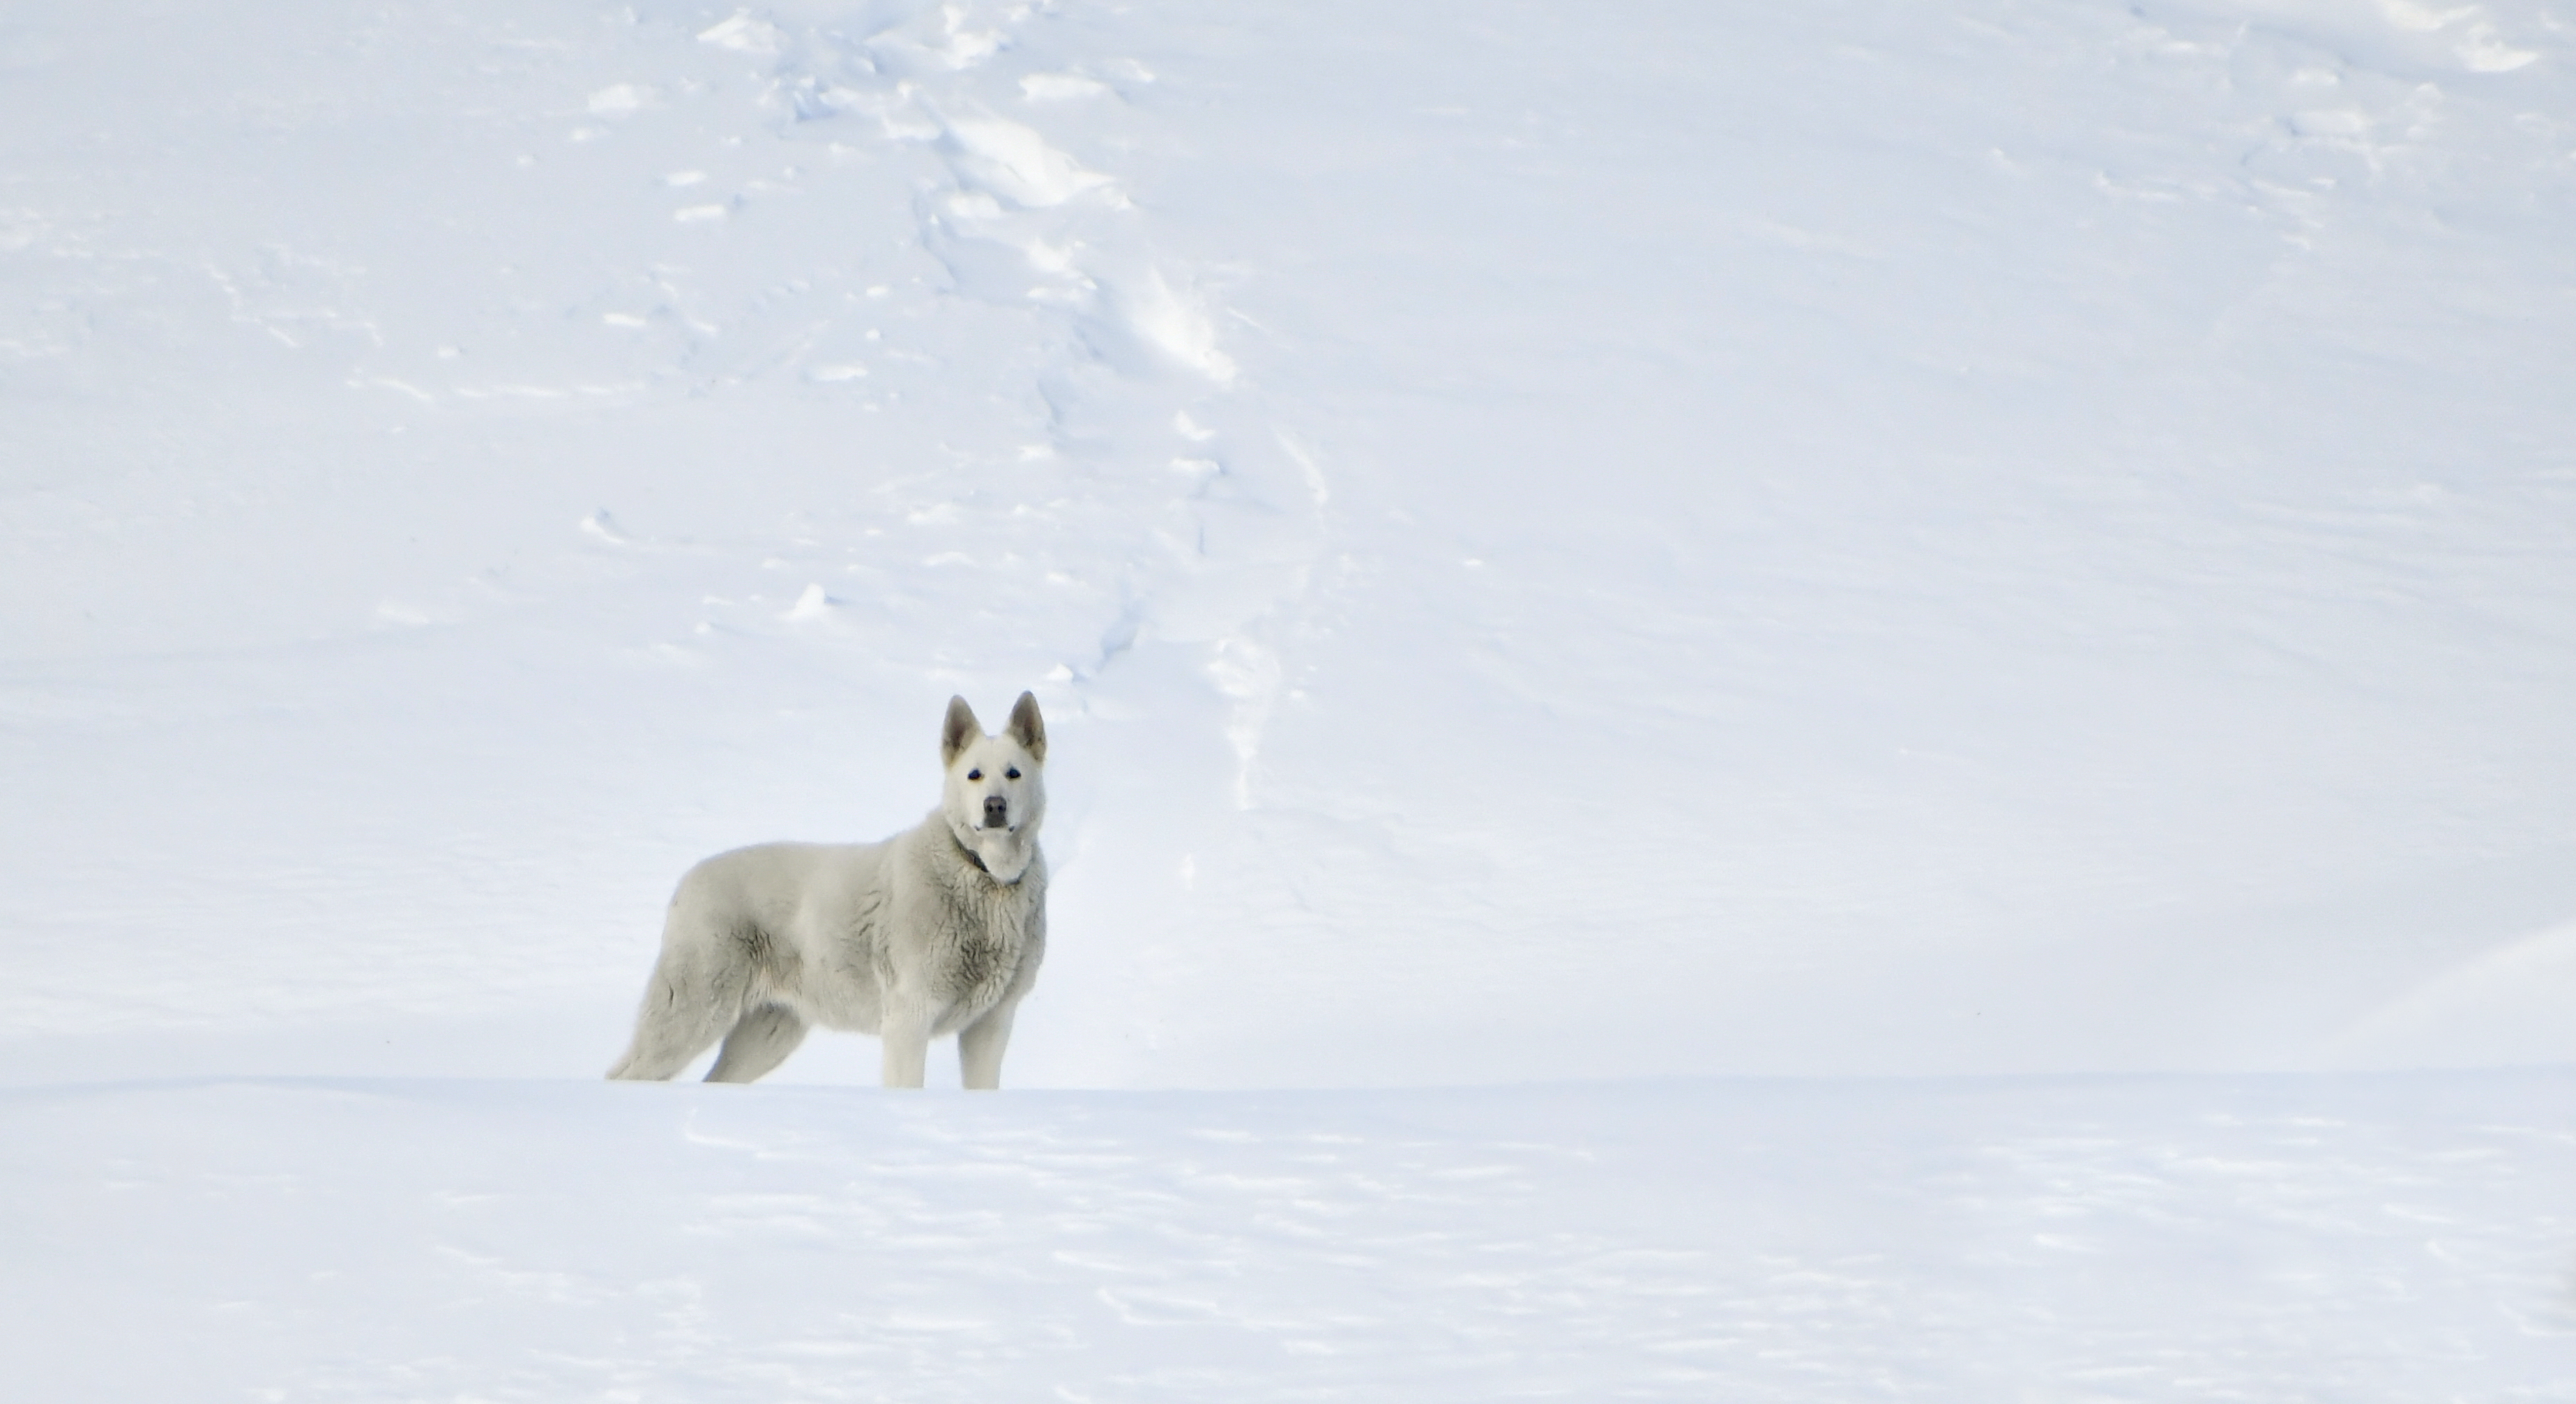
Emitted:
<point x="937" y="930"/>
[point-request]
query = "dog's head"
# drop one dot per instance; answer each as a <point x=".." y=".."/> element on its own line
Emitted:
<point x="995" y="793"/>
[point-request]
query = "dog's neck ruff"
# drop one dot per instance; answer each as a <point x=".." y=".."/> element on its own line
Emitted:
<point x="967" y="851"/>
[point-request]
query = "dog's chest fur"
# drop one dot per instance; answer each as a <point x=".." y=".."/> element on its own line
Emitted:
<point x="984" y="936"/>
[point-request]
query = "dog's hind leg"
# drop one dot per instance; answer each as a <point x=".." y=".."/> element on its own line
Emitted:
<point x="760" y="1041"/>
<point x="696" y="993"/>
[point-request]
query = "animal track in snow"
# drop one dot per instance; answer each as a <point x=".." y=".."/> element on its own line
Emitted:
<point x="1015" y="163"/>
<point x="2475" y="42"/>
<point x="1062" y="87"/>
<point x="745" y="34"/>
<point x="813" y="604"/>
<point x="956" y="46"/>
<point x="1126" y="349"/>
<point x="1177" y="324"/>
<point x="622" y="100"/>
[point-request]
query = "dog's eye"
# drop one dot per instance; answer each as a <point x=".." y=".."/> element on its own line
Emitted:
<point x="1011" y="774"/>
<point x="974" y="775"/>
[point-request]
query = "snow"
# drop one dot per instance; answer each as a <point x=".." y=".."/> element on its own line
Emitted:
<point x="2282" y="1238"/>
<point x="1794" y="700"/>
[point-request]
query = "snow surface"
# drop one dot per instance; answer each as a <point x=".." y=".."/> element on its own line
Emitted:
<point x="1559" y="544"/>
<point x="2095" y="1239"/>
<point x="1860" y="539"/>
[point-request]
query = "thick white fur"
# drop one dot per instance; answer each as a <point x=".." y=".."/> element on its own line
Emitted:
<point x="907" y="939"/>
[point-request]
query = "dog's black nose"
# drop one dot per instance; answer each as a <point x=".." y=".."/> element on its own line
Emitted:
<point x="997" y="811"/>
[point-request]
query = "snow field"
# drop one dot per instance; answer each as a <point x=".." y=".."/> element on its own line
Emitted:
<point x="2356" y="1238"/>
<point x="1631" y="543"/>
<point x="1859" y="539"/>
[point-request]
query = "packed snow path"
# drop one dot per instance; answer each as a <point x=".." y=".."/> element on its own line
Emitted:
<point x="2351" y="1239"/>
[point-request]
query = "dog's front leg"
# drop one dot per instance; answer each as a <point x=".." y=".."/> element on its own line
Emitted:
<point x="906" y="1036"/>
<point x="980" y="1045"/>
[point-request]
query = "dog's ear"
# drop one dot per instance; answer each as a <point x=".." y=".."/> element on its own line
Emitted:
<point x="960" y="728"/>
<point x="1027" y="727"/>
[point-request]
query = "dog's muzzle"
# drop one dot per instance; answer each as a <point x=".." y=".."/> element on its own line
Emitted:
<point x="997" y="812"/>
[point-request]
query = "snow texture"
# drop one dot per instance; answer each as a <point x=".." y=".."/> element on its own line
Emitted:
<point x="1922" y="652"/>
<point x="2095" y="1239"/>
